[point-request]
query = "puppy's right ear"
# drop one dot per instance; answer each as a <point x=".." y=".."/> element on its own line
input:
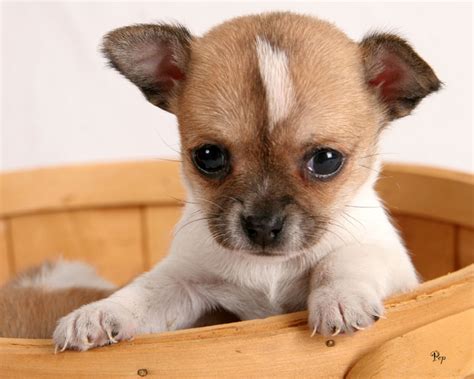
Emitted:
<point x="152" y="56"/>
<point x="399" y="76"/>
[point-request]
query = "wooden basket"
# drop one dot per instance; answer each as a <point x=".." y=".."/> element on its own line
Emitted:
<point x="119" y="217"/>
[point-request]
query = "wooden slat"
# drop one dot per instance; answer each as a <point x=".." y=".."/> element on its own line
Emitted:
<point x="89" y="186"/>
<point x="160" y="223"/>
<point x="431" y="244"/>
<point x="439" y="194"/>
<point x="108" y="239"/>
<point x="465" y="245"/>
<point x="275" y="347"/>
<point x="5" y="264"/>
<point x="442" y="349"/>
<point x="411" y="189"/>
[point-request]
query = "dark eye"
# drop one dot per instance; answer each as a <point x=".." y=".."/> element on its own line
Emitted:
<point x="325" y="163"/>
<point x="211" y="160"/>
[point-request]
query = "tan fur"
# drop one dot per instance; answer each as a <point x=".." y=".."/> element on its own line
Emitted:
<point x="226" y="98"/>
<point x="30" y="305"/>
<point x="33" y="312"/>
<point x="328" y="92"/>
<point x="224" y="101"/>
<point x="269" y="180"/>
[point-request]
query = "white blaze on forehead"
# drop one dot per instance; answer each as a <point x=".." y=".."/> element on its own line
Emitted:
<point x="275" y="74"/>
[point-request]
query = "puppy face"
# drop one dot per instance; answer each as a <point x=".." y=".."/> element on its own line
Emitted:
<point x="279" y="116"/>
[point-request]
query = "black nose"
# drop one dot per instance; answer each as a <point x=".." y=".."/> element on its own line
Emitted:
<point x="262" y="230"/>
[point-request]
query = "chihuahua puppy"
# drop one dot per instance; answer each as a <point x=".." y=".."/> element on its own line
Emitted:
<point x="279" y="117"/>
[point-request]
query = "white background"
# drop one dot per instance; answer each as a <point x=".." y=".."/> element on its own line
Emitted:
<point x="61" y="105"/>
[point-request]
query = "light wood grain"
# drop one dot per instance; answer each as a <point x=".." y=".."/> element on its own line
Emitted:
<point x="410" y="189"/>
<point x="437" y="350"/>
<point x="438" y="194"/>
<point x="431" y="243"/>
<point x="110" y="240"/>
<point x="90" y="186"/>
<point x="275" y="347"/>
<point x="465" y="246"/>
<point x="5" y="264"/>
<point x="119" y="217"/>
<point x="160" y="223"/>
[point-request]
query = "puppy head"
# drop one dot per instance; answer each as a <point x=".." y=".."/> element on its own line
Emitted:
<point x="279" y="117"/>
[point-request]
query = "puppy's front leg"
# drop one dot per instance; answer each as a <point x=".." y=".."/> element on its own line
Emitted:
<point x="349" y="284"/>
<point x="160" y="300"/>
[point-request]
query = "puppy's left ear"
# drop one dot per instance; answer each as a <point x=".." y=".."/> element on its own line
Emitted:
<point x="154" y="57"/>
<point x="400" y="77"/>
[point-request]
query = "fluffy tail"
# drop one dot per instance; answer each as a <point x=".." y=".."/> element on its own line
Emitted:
<point x="32" y="302"/>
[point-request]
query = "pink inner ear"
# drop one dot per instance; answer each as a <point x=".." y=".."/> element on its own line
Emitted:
<point x="167" y="70"/>
<point x="156" y="63"/>
<point x="392" y="78"/>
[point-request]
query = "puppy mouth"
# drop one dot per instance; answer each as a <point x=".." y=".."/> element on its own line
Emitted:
<point x="275" y="234"/>
<point x="240" y="243"/>
<point x="265" y="252"/>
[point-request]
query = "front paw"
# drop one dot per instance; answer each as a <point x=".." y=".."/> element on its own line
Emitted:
<point x="97" y="324"/>
<point x="343" y="307"/>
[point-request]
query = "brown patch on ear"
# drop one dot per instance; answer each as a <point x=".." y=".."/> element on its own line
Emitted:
<point x="152" y="56"/>
<point x="398" y="74"/>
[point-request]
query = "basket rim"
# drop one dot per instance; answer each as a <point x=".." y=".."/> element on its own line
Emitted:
<point x="144" y="183"/>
